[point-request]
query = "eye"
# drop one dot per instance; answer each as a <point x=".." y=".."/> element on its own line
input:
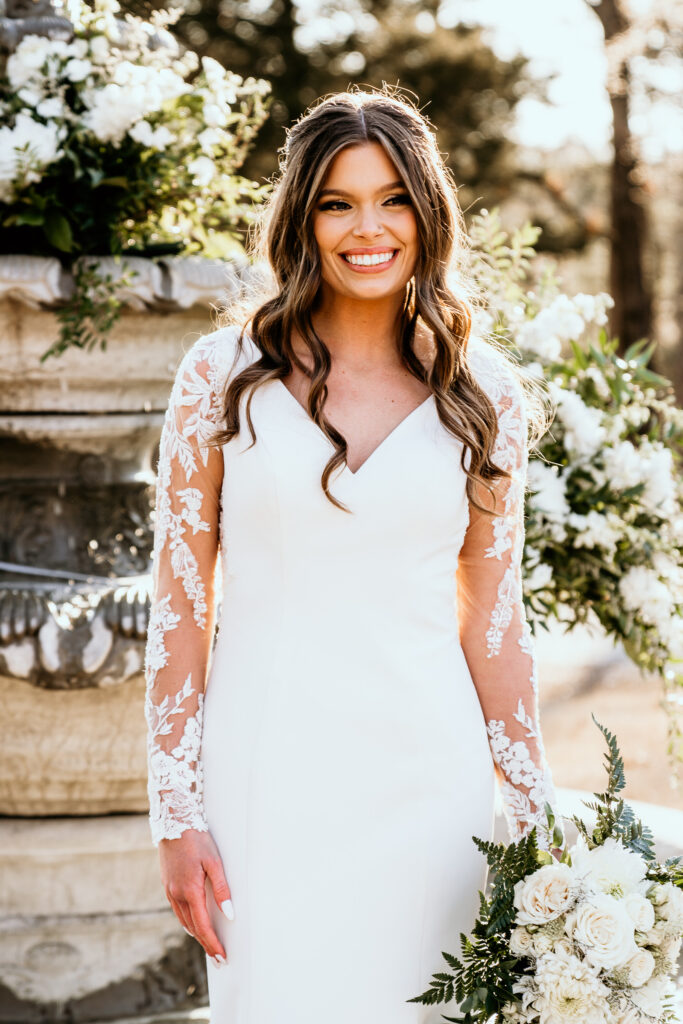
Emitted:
<point x="332" y="203"/>
<point x="401" y="199"/>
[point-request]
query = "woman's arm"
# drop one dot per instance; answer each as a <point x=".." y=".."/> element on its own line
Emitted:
<point x="179" y="640"/>
<point x="494" y="632"/>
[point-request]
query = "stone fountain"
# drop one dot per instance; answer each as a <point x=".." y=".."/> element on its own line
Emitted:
<point x="85" y="930"/>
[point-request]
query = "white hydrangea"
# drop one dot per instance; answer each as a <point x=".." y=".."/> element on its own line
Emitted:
<point x="133" y="93"/>
<point x="30" y="146"/>
<point x="31" y="54"/>
<point x="584" y="431"/>
<point x="550" y="499"/>
<point x="203" y="169"/>
<point x="597" y="530"/>
<point x="154" y="138"/>
<point x="642" y="591"/>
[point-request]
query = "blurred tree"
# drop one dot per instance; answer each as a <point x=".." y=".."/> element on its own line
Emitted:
<point x="636" y="45"/>
<point x="310" y="49"/>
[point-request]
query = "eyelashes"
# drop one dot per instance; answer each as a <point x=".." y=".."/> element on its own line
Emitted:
<point x="401" y="200"/>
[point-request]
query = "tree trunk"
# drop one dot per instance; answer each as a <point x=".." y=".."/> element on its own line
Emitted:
<point x="631" y="317"/>
<point x="632" y="312"/>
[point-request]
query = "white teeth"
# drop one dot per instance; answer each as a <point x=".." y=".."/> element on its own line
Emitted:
<point x="370" y="260"/>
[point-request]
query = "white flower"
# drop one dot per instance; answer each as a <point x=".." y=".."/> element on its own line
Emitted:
<point x="76" y="70"/>
<point x="209" y="138"/>
<point x="643" y="591"/>
<point x="611" y="868"/>
<point x="605" y="931"/>
<point x="53" y="107"/>
<point x="29" y="57"/>
<point x="650" y="997"/>
<point x="153" y="138"/>
<point x="100" y="48"/>
<point x="671" y="947"/>
<point x="596" y="530"/>
<point x="670" y="909"/>
<point x="545" y="894"/>
<point x="539" y="578"/>
<point x="569" y="990"/>
<point x="550" y="499"/>
<point x="202" y="169"/>
<point x="584" y="431"/>
<point x="640" y="910"/>
<point x="640" y="967"/>
<point x="30" y="146"/>
<point x="215" y="116"/>
<point x="521" y="942"/>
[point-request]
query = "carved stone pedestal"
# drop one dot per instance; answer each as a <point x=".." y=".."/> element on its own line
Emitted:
<point x="85" y="930"/>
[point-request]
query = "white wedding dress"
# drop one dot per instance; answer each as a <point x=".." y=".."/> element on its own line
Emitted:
<point x="357" y="695"/>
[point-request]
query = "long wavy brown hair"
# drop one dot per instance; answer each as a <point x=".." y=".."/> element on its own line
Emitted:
<point x="438" y="293"/>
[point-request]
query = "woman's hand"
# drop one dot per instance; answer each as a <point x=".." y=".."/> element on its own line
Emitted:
<point x="185" y="864"/>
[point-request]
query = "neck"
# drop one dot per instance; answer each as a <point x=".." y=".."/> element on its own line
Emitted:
<point x="361" y="333"/>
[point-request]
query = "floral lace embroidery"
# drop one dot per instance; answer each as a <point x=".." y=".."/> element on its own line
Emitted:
<point x="527" y="784"/>
<point x="175" y="783"/>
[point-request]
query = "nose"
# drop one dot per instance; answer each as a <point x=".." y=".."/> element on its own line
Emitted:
<point x="368" y="223"/>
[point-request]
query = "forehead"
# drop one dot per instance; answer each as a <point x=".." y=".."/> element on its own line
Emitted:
<point x="363" y="166"/>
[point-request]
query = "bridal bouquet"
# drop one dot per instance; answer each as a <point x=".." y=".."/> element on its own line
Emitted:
<point x="591" y="938"/>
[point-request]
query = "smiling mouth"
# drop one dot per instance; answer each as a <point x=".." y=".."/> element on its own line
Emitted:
<point x="365" y="260"/>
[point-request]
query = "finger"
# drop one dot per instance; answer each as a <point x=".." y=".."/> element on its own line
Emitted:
<point x="219" y="886"/>
<point x="180" y="910"/>
<point x="201" y="925"/>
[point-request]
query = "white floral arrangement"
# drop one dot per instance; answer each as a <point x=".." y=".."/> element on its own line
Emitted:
<point x="120" y="117"/>
<point x="119" y="143"/>
<point x="590" y="936"/>
<point x="604" y="515"/>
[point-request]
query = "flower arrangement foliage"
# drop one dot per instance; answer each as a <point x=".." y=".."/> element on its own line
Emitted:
<point x="591" y="937"/>
<point x="604" y="515"/>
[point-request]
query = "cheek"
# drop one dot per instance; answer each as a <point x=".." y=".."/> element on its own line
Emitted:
<point x="326" y="236"/>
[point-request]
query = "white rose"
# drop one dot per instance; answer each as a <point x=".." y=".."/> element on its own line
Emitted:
<point x="521" y="943"/>
<point x="640" y="968"/>
<point x="605" y="931"/>
<point x="545" y="894"/>
<point x="641" y="911"/>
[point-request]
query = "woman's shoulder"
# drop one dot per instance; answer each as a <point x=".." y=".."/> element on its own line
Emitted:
<point x="217" y="356"/>
<point x="494" y="371"/>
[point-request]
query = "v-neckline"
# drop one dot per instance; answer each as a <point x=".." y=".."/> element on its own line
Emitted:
<point x="376" y="449"/>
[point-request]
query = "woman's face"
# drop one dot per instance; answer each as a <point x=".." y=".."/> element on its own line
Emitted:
<point x="365" y="225"/>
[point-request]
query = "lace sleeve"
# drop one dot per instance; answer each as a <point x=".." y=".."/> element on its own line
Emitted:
<point x="494" y="632"/>
<point x="182" y="617"/>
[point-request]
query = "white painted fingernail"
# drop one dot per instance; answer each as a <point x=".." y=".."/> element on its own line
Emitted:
<point x="228" y="909"/>
<point x="220" y="959"/>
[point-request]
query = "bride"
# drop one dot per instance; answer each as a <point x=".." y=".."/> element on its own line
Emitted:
<point x="355" y="459"/>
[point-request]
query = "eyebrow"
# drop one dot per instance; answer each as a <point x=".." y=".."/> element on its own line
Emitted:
<point x="341" y="192"/>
